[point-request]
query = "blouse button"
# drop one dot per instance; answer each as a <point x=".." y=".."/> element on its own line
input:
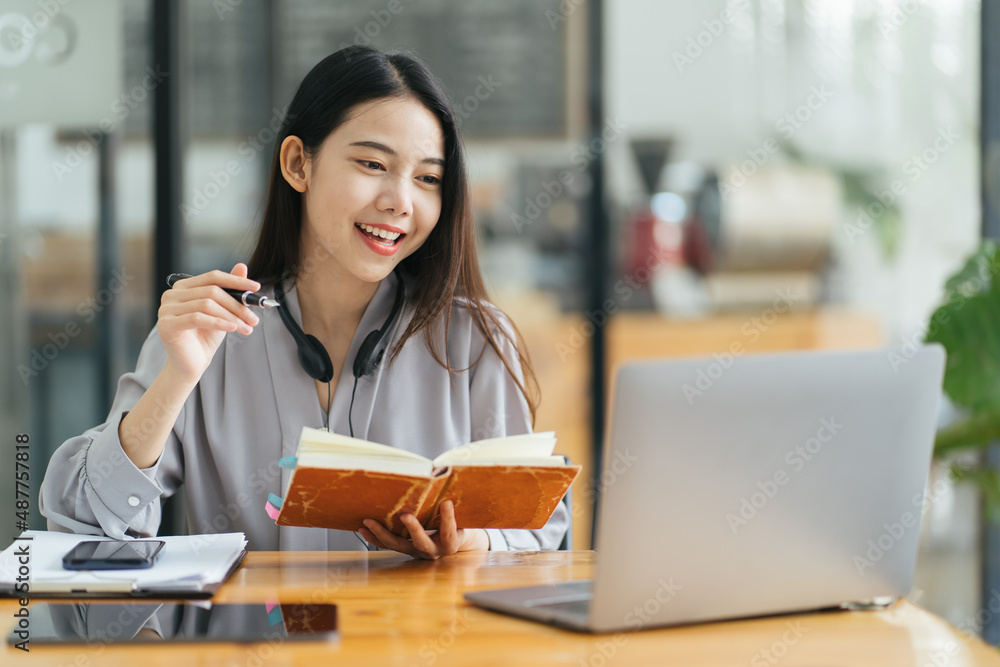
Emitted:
<point x="133" y="501"/>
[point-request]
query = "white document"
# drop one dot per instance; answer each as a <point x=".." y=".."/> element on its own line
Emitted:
<point x="187" y="565"/>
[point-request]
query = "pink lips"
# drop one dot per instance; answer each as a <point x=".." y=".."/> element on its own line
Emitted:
<point x="385" y="251"/>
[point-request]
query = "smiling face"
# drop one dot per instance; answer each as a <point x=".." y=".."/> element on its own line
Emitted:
<point x="371" y="194"/>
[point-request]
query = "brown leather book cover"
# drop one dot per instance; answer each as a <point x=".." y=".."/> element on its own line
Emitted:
<point x="485" y="496"/>
<point x="504" y="496"/>
<point x="341" y="499"/>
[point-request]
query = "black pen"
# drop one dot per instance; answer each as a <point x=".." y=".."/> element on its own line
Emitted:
<point x="246" y="298"/>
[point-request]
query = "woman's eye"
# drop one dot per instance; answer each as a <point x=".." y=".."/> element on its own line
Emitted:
<point x="370" y="164"/>
<point x="431" y="180"/>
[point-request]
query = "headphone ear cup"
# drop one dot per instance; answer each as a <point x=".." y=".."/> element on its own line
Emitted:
<point x="313" y="356"/>
<point x="315" y="360"/>
<point x="363" y="363"/>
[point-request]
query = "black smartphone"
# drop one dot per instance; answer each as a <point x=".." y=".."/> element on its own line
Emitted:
<point x="112" y="555"/>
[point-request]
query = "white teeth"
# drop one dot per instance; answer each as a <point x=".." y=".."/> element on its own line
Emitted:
<point x="390" y="236"/>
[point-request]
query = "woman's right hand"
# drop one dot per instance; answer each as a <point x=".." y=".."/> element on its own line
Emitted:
<point x="196" y="314"/>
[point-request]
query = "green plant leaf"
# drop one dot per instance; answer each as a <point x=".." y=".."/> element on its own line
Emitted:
<point x="977" y="273"/>
<point x="975" y="431"/>
<point x="968" y="325"/>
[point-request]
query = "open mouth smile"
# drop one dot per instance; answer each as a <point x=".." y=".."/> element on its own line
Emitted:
<point x="379" y="239"/>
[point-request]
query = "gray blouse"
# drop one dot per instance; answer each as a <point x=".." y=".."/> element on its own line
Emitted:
<point x="248" y="411"/>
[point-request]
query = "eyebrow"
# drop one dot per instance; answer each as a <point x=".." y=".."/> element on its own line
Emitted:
<point x="385" y="149"/>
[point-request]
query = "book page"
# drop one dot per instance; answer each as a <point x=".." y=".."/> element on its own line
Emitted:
<point x="529" y="446"/>
<point x="314" y="442"/>
<point x="547" y="461"/>
<point x="369" y="463"/>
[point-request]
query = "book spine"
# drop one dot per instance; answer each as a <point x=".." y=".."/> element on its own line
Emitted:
<point x="410" y="502"/>
<point x="429" y="502"/>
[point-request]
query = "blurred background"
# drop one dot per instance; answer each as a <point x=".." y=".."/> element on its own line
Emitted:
<point x="650" y="178"/>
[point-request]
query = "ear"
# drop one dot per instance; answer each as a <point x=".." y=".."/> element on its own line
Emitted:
<point x="294" y="163"/>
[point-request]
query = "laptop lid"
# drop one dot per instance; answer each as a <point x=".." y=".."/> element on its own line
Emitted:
<point x="737" y="487"/>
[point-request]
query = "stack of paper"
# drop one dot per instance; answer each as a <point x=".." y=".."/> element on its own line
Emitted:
<point x="188" y="566"/>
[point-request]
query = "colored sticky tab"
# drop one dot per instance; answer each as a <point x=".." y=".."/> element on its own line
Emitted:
<point x="288" y="462"/>
<point x="273" y="613"/>
<point x="271" y="510"/>
<point x="274" y="500"/>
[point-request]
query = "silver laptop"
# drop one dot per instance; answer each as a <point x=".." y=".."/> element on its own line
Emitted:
<point x="748" y="486"/>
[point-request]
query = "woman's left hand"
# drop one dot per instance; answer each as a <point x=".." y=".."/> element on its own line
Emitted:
<point x="448" y="539"/>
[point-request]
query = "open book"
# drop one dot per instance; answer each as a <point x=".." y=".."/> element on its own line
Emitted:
<point x="512" y="482"/>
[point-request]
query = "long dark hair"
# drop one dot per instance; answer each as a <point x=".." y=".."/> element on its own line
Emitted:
<point x="446" y="266"/>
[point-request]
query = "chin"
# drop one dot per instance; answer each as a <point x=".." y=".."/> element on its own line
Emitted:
<point x="372" y="274"/>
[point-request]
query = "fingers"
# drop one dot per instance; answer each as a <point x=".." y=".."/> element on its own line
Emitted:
<point x="217" y="310"/>
<point x="422" y="542"/>
<point x="219" y="296"/>
<point x="388" y="540"/>
<point x="371" y="539"/>
<point x="235" y="280"/>
<point x="448" y="530"/>
<point x="205" y="293"/>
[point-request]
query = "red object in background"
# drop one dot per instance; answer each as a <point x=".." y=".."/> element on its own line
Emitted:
<point x="651" y="243"/>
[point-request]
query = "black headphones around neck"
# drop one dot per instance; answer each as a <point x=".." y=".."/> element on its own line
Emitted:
<point x="313" y="356"/>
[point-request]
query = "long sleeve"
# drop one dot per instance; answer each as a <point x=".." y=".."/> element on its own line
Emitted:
<point x="247" y="412"/>
<point x="91" y="487"/>
<point x="499" y="409"/>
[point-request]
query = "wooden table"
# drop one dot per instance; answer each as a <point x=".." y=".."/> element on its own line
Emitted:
<point x="398" y="611"/>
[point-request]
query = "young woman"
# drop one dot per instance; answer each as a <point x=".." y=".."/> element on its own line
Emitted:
<point x="367" y="228"/>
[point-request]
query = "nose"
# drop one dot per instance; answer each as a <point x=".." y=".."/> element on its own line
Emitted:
<point x="395" y="197"/>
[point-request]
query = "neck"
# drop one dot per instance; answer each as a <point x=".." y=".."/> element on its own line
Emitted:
<point x="331" y="301"/>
